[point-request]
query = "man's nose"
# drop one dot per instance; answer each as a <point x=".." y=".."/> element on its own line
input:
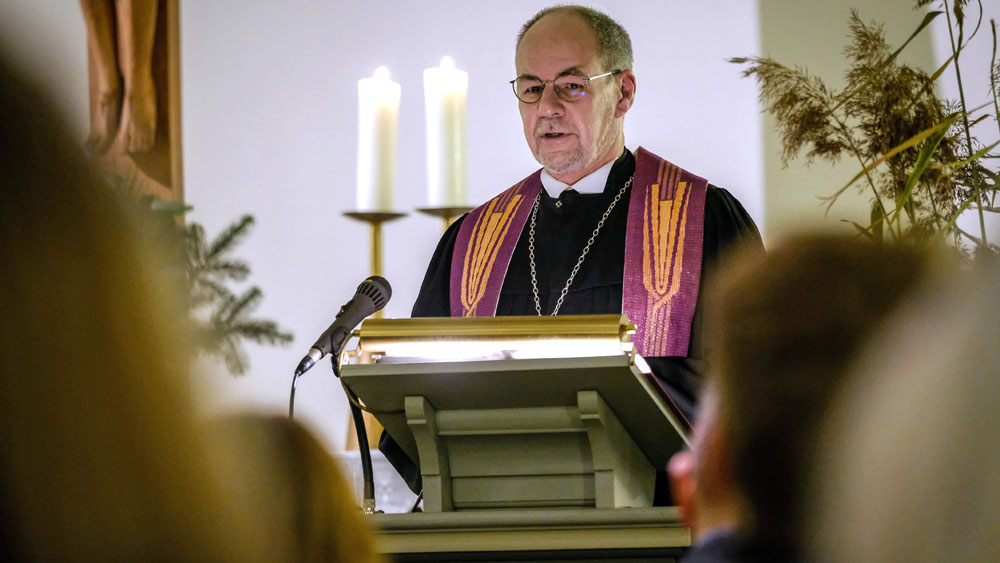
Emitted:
<point x="550" y="104"/>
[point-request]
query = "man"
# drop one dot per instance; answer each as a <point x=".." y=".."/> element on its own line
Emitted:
<point x="598" y="229"/>
<point x="785" y="331"/>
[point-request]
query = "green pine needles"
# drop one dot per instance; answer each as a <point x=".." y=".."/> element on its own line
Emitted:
<point x="223" y="318"/>
<point x="916" y="154"/>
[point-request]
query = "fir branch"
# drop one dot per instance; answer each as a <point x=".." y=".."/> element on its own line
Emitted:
<point x="208" y="290"/>
<point x="233" y="355"/>
<point x="262" y="332"/>
<point x="233" y="269"/>
<point x="166" y="208"/>
<point x="231" y="236"/>
<point x="195" y="236"/>
<point x="245" y="303"/>
<point x="230" y="323"/>
<point x="221" y="319"/>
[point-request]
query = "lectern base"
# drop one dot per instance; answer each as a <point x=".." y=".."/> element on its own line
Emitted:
<point x="622" y="534"/>
<point x="532" y="457"/>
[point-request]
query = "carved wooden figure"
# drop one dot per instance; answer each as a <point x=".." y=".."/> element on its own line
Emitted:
<point x="134" y="91"/>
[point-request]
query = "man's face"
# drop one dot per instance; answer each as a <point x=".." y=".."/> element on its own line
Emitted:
<point x="570" y="139"/>
<point x="702" y="479"/>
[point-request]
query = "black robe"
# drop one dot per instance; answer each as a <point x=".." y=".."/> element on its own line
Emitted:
<point x="562" y="229"/>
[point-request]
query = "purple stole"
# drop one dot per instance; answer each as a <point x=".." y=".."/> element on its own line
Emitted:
<point x="663" y="244"/>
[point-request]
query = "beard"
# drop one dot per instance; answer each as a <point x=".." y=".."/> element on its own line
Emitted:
<point x="602" y="135"/>
<point x="564" y="161"/>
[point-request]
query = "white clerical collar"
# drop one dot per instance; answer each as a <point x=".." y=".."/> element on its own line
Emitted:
<point x="592" y="183"/>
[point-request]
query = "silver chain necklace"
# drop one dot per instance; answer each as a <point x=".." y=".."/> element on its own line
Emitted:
<point x="586" y="249"/>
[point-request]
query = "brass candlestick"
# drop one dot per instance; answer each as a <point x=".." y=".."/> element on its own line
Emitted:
<point x="374" y="220"/>
<point x="447" y="214"/>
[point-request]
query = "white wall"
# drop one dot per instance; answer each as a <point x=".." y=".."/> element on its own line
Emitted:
<point x="48" y="41"/>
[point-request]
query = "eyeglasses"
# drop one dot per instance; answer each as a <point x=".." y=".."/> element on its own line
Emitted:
<point x="569" y="88"/>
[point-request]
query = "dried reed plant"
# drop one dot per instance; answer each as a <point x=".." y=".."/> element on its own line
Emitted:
<point x="916" y="153"/>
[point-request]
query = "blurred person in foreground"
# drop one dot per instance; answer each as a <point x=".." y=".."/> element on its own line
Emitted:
<point x="102" y="454"/>
<point x="307" y="497"/>
<point x="913" y="460"/>
<point x="785" y="330"/>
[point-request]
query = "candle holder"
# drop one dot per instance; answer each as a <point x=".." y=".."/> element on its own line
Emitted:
<point x="375" y="220"/>
<point x="447" y="214"/>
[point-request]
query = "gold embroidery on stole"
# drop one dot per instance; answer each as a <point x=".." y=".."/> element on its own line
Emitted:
<point x="661" y="263"/>
<point x="487" y="237"/>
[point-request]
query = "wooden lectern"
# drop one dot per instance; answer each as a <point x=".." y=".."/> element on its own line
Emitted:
<point x="552" y="418"/>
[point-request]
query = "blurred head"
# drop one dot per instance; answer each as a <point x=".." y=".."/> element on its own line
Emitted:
<point x="910" y="447"/>
<point x="702" y="479"/>
<point x="783" y="330"/>
<point x="102" y="457"/>
<point x="573" y="135"/>
<point x="291" y="477"/>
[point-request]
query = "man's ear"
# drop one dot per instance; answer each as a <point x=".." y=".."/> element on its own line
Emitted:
<point x="626" y="93"/>
<point x="683" y="486"/>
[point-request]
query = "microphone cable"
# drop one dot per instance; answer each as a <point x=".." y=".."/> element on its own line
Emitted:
<point x="364" y="451"/>
<point x="291" y="396"/>
<point x="367" y="471"/>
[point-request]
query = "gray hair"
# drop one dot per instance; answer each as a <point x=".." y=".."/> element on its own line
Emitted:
<point x="613" y="41"/>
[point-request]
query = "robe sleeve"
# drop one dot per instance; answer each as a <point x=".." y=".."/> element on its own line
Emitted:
<point x="434" y="299"/>
<point x="728" y="229"/>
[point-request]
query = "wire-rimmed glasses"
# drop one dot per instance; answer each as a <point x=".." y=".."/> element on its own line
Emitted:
<point x="569" y="88"/>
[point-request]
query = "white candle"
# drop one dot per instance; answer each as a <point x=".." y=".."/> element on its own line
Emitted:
<point x="445" y="89"/>
<point x="378" y="113"/>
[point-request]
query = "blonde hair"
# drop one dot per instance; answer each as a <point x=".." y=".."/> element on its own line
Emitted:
<point x="290" y="475"/>
<point x="102" y="456"/>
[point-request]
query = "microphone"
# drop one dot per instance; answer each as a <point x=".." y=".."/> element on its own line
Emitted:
<point x="371" y="296"/>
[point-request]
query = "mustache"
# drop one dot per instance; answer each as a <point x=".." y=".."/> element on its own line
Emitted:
<point x="557" y="125"/>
